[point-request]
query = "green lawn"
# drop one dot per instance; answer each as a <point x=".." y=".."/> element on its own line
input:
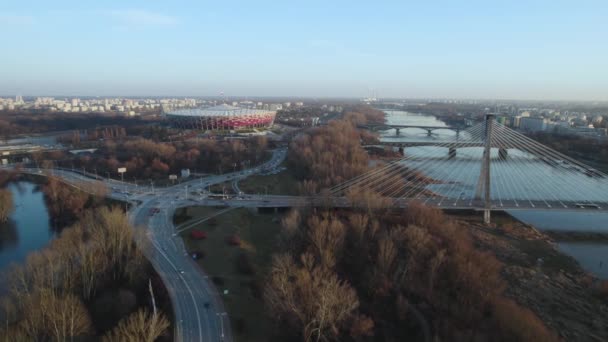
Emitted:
<point x="258" y="234"/>
<point x="283" y="183"/>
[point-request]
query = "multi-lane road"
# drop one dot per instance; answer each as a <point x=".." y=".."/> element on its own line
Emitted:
<point x="198" y="309"/>
<point x="197" y="305"/>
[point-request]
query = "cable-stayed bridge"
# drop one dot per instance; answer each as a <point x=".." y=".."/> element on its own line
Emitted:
<point x="486" y="167"/>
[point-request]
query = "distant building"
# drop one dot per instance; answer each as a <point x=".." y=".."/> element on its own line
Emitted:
<point x="533" y="124"/>
<point x="516" y="121"/>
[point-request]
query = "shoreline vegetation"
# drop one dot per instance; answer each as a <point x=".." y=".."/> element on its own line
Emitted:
<point x="91" y="282"/>
<point x="432" y="274"/>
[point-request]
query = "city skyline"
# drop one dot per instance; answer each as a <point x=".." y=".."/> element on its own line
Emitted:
<point x="539" y="51"/>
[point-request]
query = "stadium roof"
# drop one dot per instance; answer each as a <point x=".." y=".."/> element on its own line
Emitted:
<point x="221" y="110"/>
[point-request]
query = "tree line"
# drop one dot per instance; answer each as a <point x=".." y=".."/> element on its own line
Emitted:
<point x="361" y="276"/>
<point x="146" y="159"/>
<point x="575" y="146"/>
<point x="88" y="282"/>
<point x="7" y="206"/>
<point x="328" y="155"/>
<point x="45" y="121"/>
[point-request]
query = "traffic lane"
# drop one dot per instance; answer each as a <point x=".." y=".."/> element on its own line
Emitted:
<point x="184" y="298"/>
<point x="207" y="291"/>
<point x="187" y="310"/>
<point x="184" y="263"/>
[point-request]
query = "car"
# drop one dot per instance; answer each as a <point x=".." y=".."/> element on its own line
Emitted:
<point x="181" y="271"/>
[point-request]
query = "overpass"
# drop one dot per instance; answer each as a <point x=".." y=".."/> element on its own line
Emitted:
<point x="198" y="307"/>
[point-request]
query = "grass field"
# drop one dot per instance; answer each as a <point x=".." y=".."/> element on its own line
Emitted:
<point x="258" y="234"/>
<point x="283" y="183"/>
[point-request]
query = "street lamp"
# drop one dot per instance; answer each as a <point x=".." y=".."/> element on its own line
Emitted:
<point x="221" y="318"/>
<point x="122" y="171"/>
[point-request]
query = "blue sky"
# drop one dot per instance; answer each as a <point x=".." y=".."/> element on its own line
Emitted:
<point x="462" y="49"/>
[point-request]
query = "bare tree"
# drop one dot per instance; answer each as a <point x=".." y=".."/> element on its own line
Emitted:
<point x="387" y="253"/>
<point x="139" y="326"/>
<point x="311" y="297"/>
<point x="6" y="204"/>
<point x="326" y="236"/>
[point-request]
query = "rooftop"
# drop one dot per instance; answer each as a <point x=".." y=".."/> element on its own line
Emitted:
<point x="221" y="110"/>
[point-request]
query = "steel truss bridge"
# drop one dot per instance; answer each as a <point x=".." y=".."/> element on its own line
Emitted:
<point x="398" y="128"/>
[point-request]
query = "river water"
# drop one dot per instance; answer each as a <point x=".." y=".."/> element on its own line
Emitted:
<point x="27" y="230"/>
<point x="465" y="169"/>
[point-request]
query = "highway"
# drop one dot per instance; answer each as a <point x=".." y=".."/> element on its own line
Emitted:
<point x="197" y="305"/>
<point x="198" y="308"/>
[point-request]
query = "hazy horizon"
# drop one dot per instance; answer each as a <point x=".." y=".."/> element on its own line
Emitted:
<point x="540" y="51"/>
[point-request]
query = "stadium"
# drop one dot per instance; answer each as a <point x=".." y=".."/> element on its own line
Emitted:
<point x="222" y="117"/>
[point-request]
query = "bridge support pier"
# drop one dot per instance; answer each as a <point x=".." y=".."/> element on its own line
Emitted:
<point x="397" y="130"/>
<point x="486" y="216"/>
<point x="503" y="153"/>
<point x="483" y="185"/>
<point x="452" y="152"/>
<point x="429" y="132"/>
<point x="402" y="151"/>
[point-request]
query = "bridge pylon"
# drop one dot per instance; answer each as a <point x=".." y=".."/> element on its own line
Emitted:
<point x="482" y="191"/>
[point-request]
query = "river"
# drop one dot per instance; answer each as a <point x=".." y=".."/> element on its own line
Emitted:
<point x="592" y="256"/>
<point x="28" y="228"/>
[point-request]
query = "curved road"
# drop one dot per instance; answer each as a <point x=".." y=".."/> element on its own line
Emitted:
<point x="198" y="308"/>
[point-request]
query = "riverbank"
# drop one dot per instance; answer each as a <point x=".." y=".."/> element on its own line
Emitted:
<point x="32" y="246"/>
<point x="542" y="277"/>
<point x="28" y="228"/>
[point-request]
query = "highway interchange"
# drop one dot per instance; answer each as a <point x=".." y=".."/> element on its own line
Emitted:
<point x="197" y="305"/>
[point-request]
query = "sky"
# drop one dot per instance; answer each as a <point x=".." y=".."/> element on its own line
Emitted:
<point x="331" y="48"/>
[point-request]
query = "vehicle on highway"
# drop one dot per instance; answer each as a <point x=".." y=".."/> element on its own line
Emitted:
<point x="587" y="205"/>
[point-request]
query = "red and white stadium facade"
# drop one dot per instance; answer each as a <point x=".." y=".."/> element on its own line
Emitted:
<point x="222" y="117"/>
